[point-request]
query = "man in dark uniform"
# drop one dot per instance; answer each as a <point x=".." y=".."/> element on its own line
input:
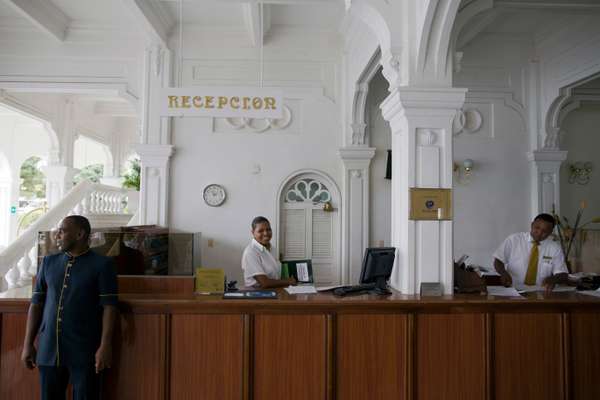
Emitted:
<point x="73" y="310"/>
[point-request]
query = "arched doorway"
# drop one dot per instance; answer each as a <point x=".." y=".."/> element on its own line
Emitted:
<point x="32" y="192"/>
<point x="306" y="229"/>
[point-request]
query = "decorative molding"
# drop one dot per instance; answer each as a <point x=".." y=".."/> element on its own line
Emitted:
<point x="359" y="104"/>
<point x="290" y="123"/>
<point x="426" y="137"/>
<point x="467" y="120"/>
<point x="356" y="173"/>
<point x="548" y="177"/>
<point x="259" y="125"/>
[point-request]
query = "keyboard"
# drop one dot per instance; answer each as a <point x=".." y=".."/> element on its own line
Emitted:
<point x="354" y="289"/>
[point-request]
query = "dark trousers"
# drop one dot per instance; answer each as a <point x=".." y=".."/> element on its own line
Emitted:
<point x="54" y="381"/>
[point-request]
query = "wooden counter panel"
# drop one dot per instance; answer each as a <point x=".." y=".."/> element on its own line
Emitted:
<point x="139" y="358"/>
<point x="16" y="381"/>
<point x="585" y="356"/>
<point x="372" y="357"/>
<point x="444" y="342"/>
<point x="528" y="357"/>
<point x="207" y="354"/>
<point x="290" y="357"/>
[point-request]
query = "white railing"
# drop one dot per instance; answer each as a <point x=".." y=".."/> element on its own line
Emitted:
<point x="92" y="200"/>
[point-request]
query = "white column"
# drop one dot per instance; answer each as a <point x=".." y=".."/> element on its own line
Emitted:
<point x="155" y="151"/>
<point x="546" y="181"/>
<point x="355" y="209"/>
<point x="154" y="190"/>
<point x="421" y="123"/>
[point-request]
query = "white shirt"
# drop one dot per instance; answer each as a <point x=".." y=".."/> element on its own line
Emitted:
<point x="514" y="252"/>
<point x="258" y="260"/>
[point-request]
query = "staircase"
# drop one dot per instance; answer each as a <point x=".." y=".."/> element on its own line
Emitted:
<point x="103" y="205"/>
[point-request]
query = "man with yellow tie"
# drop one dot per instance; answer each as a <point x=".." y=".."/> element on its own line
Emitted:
<point x="532" y="258"/>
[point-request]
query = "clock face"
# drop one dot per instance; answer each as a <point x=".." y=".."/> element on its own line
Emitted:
<point x="214" y="195"/>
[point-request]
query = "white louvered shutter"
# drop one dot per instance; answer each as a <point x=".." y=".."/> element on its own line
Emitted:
<point x="294" y="234"/>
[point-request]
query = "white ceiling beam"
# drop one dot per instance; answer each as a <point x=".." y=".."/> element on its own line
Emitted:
<point x="252" y="22"/>
<point x="150" y="19"/>
<point x="43" y="14"/>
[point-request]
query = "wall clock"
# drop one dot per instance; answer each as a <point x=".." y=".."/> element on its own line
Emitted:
<point x="214" y="195"/>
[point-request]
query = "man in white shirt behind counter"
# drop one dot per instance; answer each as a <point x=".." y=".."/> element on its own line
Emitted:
<point x="532" y="258"/>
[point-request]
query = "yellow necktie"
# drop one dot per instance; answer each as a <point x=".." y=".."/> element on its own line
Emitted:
<point x="531" y="276"/>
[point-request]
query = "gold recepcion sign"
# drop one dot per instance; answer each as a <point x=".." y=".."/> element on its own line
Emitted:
<point x="227" y="102"/>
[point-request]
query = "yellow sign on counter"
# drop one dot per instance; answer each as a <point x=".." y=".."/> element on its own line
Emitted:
<point x="210" y="280"/>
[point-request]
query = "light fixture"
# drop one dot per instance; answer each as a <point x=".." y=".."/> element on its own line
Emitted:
<point x="464" y="171"/>
<point x="580" y="172"/>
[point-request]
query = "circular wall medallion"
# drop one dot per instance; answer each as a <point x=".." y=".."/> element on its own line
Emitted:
<point x="214" y="195"/>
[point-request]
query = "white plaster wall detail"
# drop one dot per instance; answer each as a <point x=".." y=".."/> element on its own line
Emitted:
<point x="259" y="125"/>
<point x="427" y="137"/>
<point x="290" y="123"/>
<point x="356" y="173"/>
<point x="468" y="120"/>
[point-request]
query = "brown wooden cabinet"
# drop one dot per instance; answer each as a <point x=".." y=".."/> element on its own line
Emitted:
<point x="321" y="347"/>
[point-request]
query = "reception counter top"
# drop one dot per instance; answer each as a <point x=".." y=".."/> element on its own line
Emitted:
<point x="324" y="347"/>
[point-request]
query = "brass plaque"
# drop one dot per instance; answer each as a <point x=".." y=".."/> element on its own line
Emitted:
<point x="430" y="204"/>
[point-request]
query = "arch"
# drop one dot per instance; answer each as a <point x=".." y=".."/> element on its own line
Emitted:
<point x="359" y="103"/>
<point x="336" y="201"/>
<point x="37" y="115"/>
<point x="567" y="101"/>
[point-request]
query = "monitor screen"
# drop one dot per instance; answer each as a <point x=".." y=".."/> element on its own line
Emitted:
<point x="377" y="265"/>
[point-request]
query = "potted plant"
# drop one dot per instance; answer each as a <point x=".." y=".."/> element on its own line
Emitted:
<point x="568" y="233"/>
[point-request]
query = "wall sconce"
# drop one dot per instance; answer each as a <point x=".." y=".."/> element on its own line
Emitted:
<point x="580" y="172"/>
<point x="327" y="206"/>
<point x="463" y="172"/>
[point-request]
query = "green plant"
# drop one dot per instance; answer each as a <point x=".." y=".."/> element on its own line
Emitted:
<point x="92" y="172"/>
<point x="131" y="178"/>
<point x="568" y="233"/>
<point x="33" y="181"/>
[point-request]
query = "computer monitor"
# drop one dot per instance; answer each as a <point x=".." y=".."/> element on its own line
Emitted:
<point x="377" y="267"/>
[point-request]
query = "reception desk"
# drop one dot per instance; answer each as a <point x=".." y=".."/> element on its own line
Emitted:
<point x="320" y="347"/>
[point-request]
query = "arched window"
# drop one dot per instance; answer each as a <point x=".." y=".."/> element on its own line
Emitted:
<point x="309" y="224"/>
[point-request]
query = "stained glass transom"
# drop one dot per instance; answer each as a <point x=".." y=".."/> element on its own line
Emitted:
<point x="307" y="190"/>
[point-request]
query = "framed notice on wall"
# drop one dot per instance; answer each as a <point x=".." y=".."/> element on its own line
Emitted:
<point x="430" y="204"/>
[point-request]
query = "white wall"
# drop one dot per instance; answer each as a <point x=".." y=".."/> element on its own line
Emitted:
<point x="582" y="142"/>
<point x="305" y="65"/>
<point x="495" y="203"/>
<point x="380" y="137"/>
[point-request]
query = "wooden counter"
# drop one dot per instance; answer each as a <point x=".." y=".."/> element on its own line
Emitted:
<point x="321" y="347"/>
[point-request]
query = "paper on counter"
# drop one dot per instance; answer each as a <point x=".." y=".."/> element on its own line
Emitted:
<point x="308" y="289"/>
<point x="502" y="291"/>
<point x="529" y="288"/>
